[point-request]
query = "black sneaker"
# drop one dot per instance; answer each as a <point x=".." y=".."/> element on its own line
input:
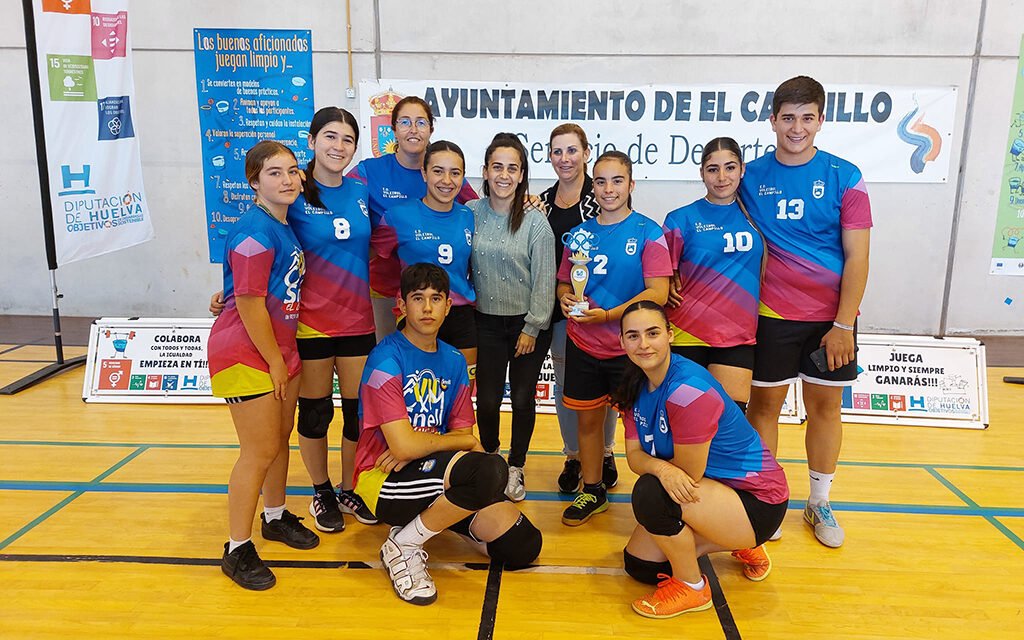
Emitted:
<point x="570" y="478"/>
<point x="289" y="530"/>
<point x="609" y="474"/>
<point x="326" y="514"/>
<point x="585" y="506"/>
<point x="350" y="502"/>
<point x="244" y="566"/>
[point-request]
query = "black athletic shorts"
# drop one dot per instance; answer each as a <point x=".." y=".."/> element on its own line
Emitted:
<point x="458" y="328"/>
<point x="240" y="399"/>
<point x="589" y="380"/>
<point x="741" y="355"/>
<point x="764" y="518"/>
<point x="407" y="493"/>
<point x="337" y="347"/>
<point x="783" y="351"/>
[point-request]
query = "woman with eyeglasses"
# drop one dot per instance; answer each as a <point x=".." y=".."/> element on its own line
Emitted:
<point x="393" y="179"/>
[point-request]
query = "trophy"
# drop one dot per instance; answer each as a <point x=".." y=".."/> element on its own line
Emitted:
<point x="580" y="242"/>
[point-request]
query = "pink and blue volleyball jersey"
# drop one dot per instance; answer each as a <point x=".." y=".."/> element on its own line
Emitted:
<point x="401" y="381"/>
<point x="627" y="252"/>
<point x="691" y="407"/>
<point x="718" y="255"/>
<point x="417" y="233"/>
<point x="336" y="244"/>
<point x="802" y="211"/>
<point x="390" y="184"/>
<point x="263" y="258"/>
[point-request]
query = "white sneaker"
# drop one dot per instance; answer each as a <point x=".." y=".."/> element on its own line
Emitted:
<point x="777" y="535"/>
<point x="823" y="521"/>
<point x="516" y="488"/>
<point x="407" y="569"/>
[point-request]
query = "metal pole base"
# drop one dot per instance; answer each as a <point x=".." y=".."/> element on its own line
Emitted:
<point x="44" y="373"/>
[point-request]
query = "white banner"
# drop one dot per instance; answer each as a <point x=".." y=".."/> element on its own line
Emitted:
<point x="894" y="134"/>
<point x="85" y="70"/>
<point x="939" y="382"/>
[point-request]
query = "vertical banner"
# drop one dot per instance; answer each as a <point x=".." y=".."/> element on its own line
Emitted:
<point x="95" y="170"/>
<point x="1008" y="245"/>
<point x="251" y="85"/>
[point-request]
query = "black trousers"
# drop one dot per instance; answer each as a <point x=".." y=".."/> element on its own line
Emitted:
<point x="496" y="348"/>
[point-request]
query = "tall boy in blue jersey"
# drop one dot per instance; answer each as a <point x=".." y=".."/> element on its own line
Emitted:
<point x="814" y="212"/>
<point x="419" y="467"/>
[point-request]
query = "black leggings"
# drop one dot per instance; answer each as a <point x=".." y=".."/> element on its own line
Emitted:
<point x="496" y="348"/>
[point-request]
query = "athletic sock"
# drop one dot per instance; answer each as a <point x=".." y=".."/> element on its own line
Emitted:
<point x="234" y="544"/>
<point x="821" y="484"/>
<point x="414" y="534"/>
<point x="595" y="489"/>
<point x="273" y="513"/>
<point x="324" y="486"/>
<point x="696" y="586"/>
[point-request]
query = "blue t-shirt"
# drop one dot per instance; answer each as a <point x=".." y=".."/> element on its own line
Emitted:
<point x="623" y="254"/>
<point x="691" y="407"/>
<point x="336" y="243"/>
<point x="417" y="233"/>
<point x="401" y="381"/>
<point x="717" y="253"/>
<point x="802" y="211"/>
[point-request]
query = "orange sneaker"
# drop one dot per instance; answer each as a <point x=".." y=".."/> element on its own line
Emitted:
<point x="756" y="563"/>
<point x="673" y="598"/>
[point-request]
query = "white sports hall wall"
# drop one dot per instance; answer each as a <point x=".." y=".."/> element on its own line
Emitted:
<point x="930" y="243"/>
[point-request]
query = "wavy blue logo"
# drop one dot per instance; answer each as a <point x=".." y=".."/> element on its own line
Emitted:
<point x="924" y="138"/>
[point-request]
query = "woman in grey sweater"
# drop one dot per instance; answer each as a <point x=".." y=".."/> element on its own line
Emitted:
<point x="513" y="272"/>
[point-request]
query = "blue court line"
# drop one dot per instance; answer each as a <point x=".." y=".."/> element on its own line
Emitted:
<point x="540" y="496"/>
<point x="63" y="503"/>
<point x="187" y="445"/>
<point x="991" y="518"/>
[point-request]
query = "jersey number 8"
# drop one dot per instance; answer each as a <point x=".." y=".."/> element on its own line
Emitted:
<point x="342" y="229"/>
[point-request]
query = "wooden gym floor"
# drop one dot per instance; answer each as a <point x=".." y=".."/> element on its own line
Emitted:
<point x="114" y="518"/>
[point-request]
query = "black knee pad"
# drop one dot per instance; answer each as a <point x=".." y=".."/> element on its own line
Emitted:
<point x="654" y="509"/>
<point x="477" y="480"/>
<point x="350" y="417"/>
<point x="517" y="547"/>
<point x="315" y="415"/>
<point x="645" y="571"/>
<point x="742" y="406"/>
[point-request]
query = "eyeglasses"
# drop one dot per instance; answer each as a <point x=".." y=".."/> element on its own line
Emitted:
<point x="406" y="123"/>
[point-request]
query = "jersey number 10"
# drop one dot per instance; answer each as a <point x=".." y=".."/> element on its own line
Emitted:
<point x="741" y="241"/>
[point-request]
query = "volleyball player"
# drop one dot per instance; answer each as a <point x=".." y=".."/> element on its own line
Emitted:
<point x="707" y="481"/>
<point x="629" y="261"/>
<point x="418" y="465"/>
<point x="254" y="362"/>
<point x="392" y="179"/>
<point x="437" y="230"/>
<point x="717" y="255"/>
<point x="813" y="209"/>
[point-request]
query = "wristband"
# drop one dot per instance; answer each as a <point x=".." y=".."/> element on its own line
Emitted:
<point x="840" y="325"/>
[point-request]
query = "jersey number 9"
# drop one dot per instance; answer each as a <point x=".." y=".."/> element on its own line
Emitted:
<point x="444" y="254"/>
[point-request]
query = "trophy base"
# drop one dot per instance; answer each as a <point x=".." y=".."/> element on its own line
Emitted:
<point x="579" y="309"/>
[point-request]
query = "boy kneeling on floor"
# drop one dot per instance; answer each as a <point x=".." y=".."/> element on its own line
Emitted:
<point x="419" y="467"/>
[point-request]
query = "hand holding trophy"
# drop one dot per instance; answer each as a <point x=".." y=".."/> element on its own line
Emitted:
<point x="580" y="243"/>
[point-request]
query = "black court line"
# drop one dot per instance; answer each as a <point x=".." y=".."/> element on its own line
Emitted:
<point x="14" y="348"/>
<point x="725" y="618"/>
<point x="192" y="562"/>
<point x="2" y="360"/>
<point x="489" y="612"/>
